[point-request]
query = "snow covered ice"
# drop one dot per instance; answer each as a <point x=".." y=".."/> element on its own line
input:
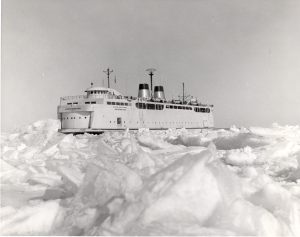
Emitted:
<point x="170" y="182"/>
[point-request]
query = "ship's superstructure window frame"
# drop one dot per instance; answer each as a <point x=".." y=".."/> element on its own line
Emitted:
<point x="150" y="106"/>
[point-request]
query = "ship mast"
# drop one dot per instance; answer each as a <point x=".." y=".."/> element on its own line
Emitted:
<point x="108" y="72"/>
<point x="183" y="96"/>
<point x="151" y="70"/>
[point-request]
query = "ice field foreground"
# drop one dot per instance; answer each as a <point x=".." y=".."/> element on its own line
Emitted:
<point x="174" y="182"/>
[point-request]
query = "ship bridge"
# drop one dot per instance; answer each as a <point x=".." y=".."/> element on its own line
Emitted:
<point x="95" y="93"/>
<point x="101" y="92"/>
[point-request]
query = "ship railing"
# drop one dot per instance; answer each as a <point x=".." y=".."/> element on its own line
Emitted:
<point x="76" y="97"/>
<point x="97" y="96"/>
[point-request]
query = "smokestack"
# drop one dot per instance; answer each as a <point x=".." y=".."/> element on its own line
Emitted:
<point x="159" y="92"/>
<point x="144" y="91"/>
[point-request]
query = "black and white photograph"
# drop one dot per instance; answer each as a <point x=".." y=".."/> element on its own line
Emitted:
<point x="150" y="118"/>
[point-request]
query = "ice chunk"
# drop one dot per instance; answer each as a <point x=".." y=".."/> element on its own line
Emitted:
<point x="32" y="220"/>
<point x="72" y="176"/>
<point x="17" y="195"/>
<point x="67" y="142"/>
<point x="11" y="154"/>
<point x="243" y="218"/>
<point x="272" y="197"/>
<point x="52" y="180"/>
<point x="186" y="191"/>
<point x="240" y="157"/>
<point x="103" y="148"/>
<point x="8" y="210"/>
<point x="250" y="172"/>
<point x="148" y="141"/>
<point x="10" y="174"/>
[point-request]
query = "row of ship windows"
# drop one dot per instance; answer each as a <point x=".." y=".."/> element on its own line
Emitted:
<point x="88" y="102"/>
<point x="152" y="106"/>
<point x="160" y="107"/>
<point x="73" y="118"/>
<point x="118" y="103"/>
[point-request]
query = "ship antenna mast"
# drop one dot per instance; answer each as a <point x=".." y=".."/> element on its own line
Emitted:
<point x="108" y="72"/>
<point x="183" y="96"/>
<point x="151" y="70"/>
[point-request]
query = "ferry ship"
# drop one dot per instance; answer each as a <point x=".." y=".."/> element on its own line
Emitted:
<point x="105" y="109"/>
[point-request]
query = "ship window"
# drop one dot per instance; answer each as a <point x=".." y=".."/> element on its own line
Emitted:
<point x="113" y="103"/>
<point x="85" y="117"/>
<point x="75" y="103"/>
<point x="69" y="103"/>
<point x="87" y="102"/>
<point x="121" y="103"/>
<point x="207" y="110"/>
<point x="167" y="106"/>
<point x="140" y="105"/>
<point x="92" y="92"/>
<point x="171" y="106"/>
<point x="159" y="107"/>
<point x="93" y="102"/>
<point x="175" y="106"/>
<point x="150" y="106"/>
<point x="202" y="110"/>
<point x="108" y="102"/>
<point x="179" y="107"/>
<point x="129" y="104"/>
<point x="118" y="103"/>
<point x="126" y="104"/>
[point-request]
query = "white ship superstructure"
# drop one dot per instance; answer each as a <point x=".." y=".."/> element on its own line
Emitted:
<point x="103" y="109"/>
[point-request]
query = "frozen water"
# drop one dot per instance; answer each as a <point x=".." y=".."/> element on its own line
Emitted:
<point x="173" y="182"/>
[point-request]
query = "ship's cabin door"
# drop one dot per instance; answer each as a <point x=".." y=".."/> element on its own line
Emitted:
<point x="119" y="122"/>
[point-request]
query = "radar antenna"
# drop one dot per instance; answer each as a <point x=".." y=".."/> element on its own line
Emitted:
<point x="151" y="70"/>
<point x="108" y="72"/>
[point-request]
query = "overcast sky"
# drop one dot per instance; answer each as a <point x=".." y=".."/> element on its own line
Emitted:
<point x="242" y="56"/>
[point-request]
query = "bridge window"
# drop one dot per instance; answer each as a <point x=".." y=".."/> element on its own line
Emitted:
<point x="207" y="110"/>
<point x="179" y="107"/>
<point x="113" y="103"/>
<point x="151" y="106"/>
<point x="75" y="103"/>
<point x="167" y="106"/>
<point x="108" y="102"/>
<point x="126" y="104"/>
<point x="87" y="102"/>
<point x="175" y="106"/>
<point x="122" y="104"/>
<point x="171" y="106"/>
<point x="69" y="103"/>
<point x="140" y="105"/>
<point x="93" y="102"/>
<point x="159" y="107"/>
<point x="202" y="110"/>
<point x="118" y="103"/>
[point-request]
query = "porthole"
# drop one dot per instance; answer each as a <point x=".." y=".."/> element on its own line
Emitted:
<point x="85" y="117"/>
